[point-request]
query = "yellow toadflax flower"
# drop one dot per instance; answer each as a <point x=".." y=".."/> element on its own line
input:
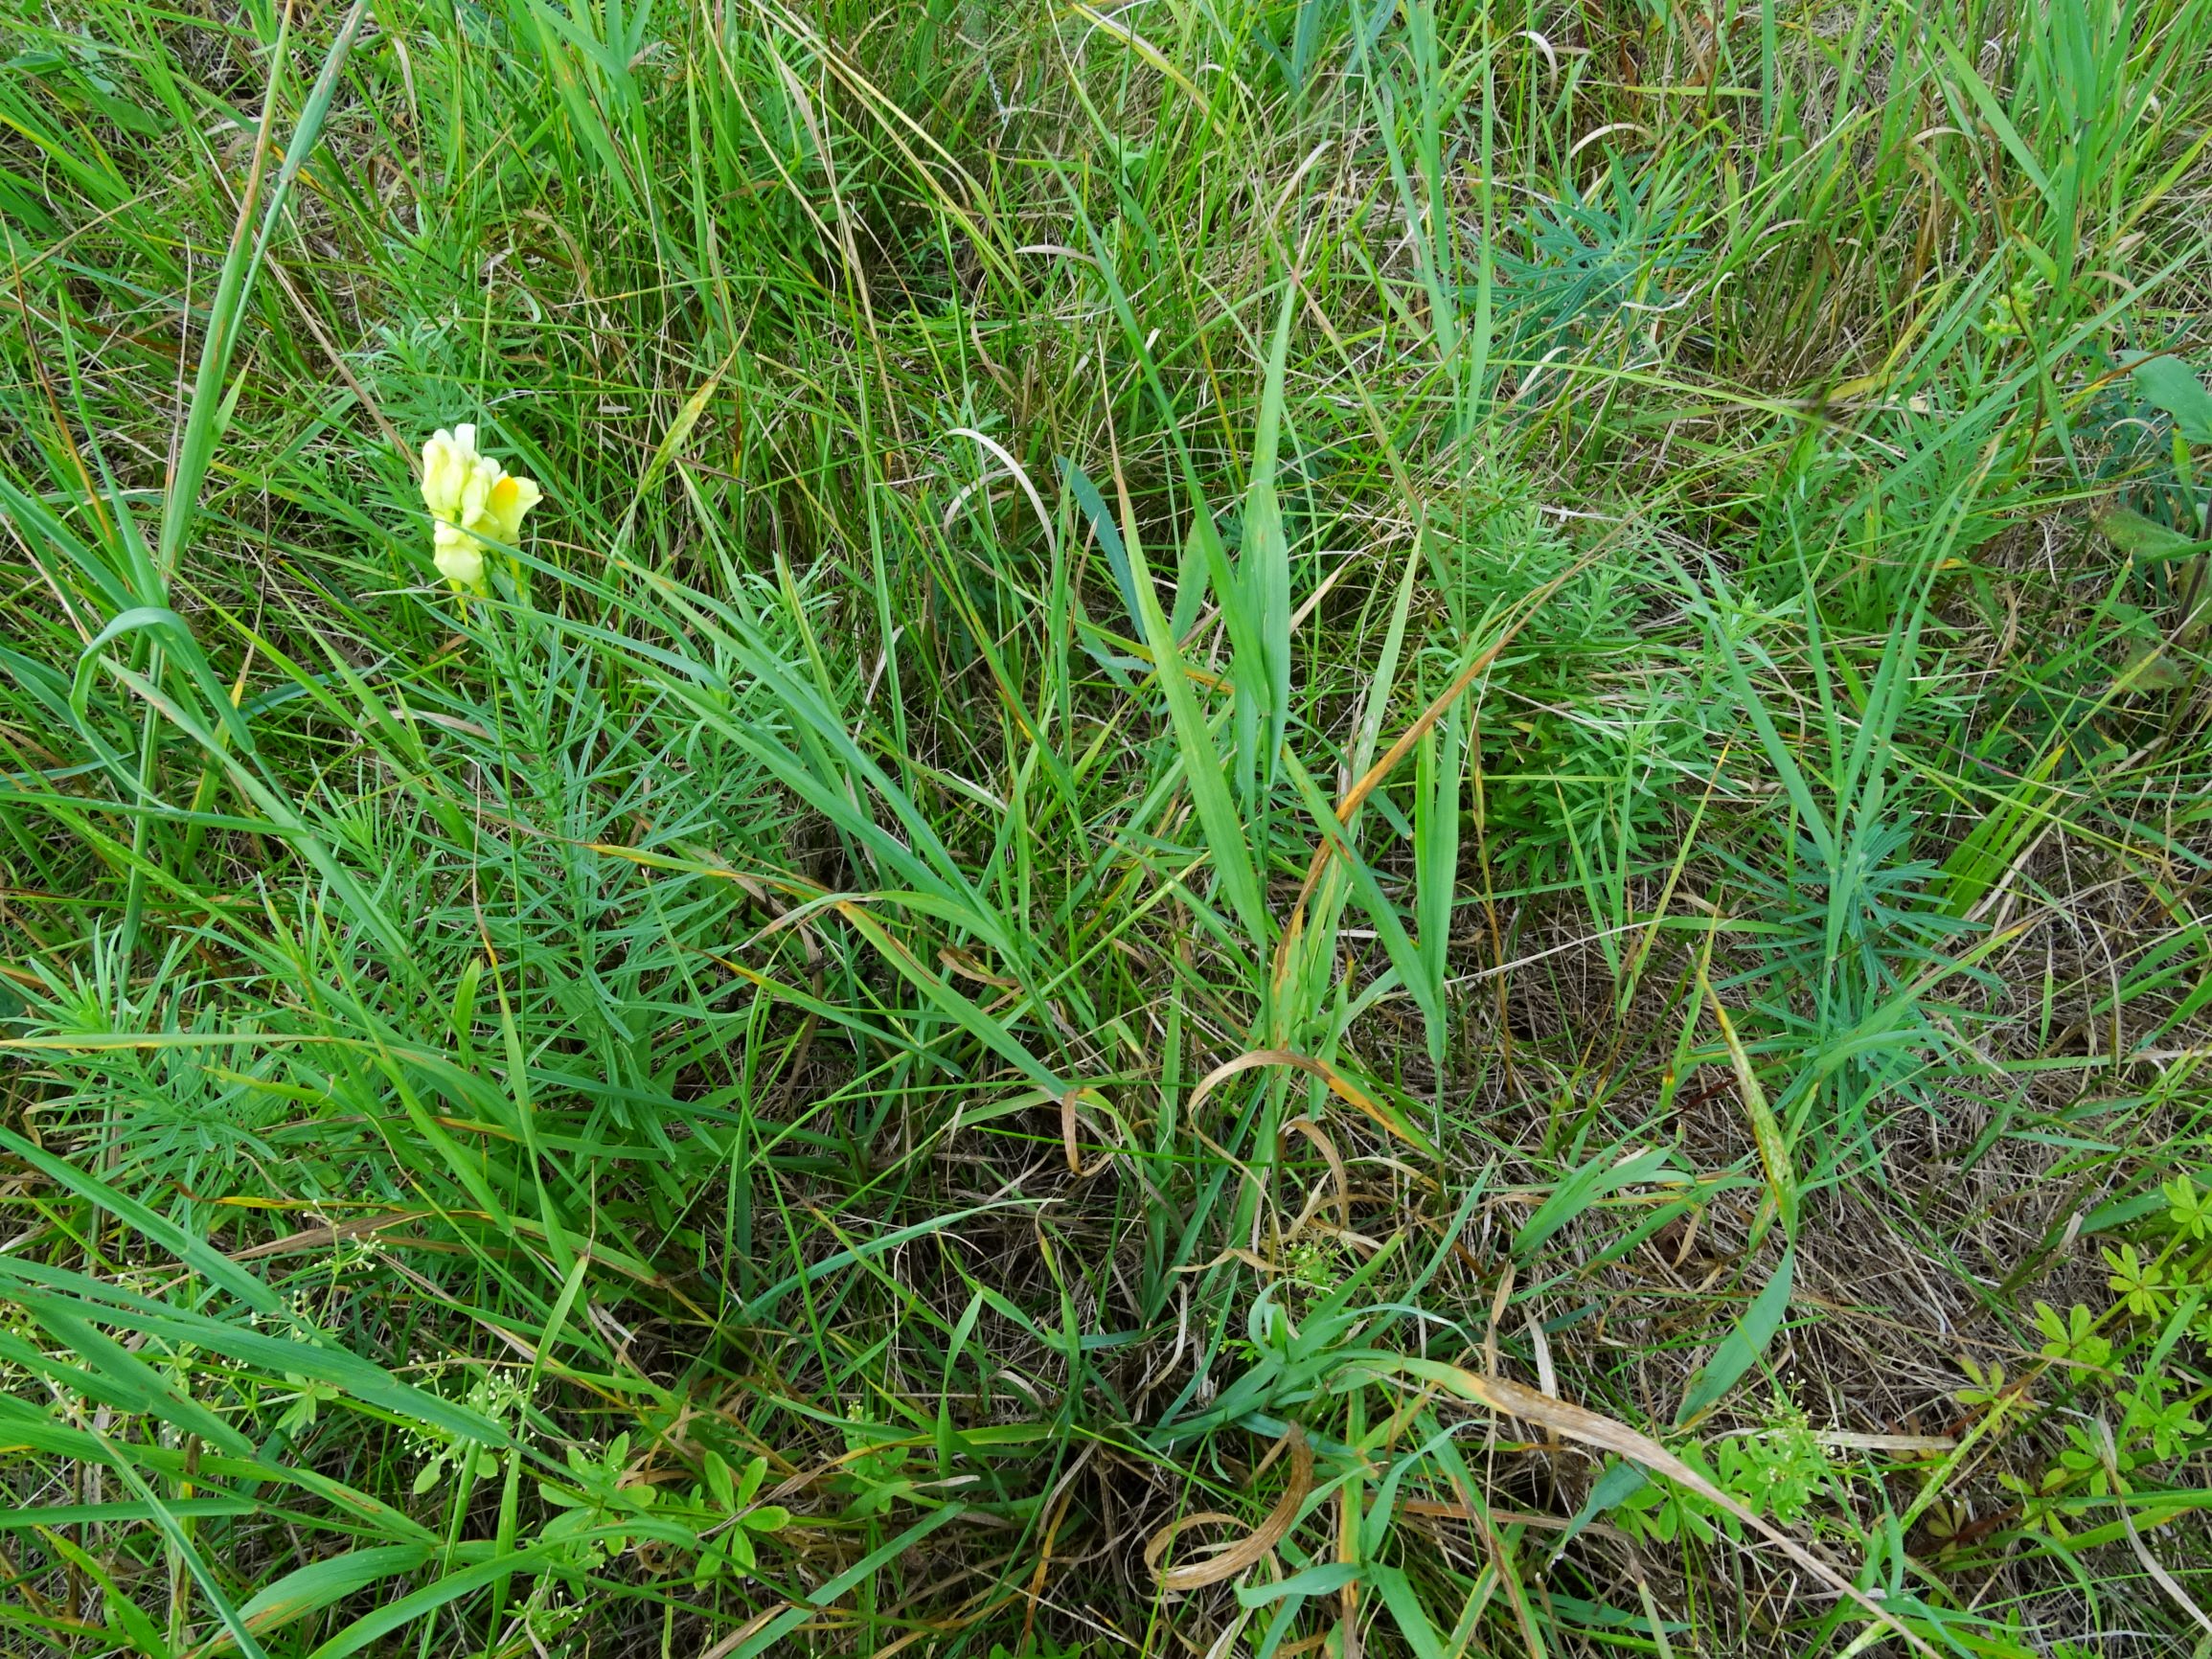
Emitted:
<point x="470" y="496"/>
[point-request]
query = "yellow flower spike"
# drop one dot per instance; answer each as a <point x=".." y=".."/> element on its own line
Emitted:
<point x="470" y="496"/>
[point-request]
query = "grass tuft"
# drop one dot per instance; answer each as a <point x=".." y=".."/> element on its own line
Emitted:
<point x="1300" y="829"/>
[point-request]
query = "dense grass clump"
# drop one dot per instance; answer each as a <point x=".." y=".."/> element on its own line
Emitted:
<point x="1300" y="828"/>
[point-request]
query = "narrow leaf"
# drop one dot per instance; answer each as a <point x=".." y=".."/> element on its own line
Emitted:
<point x="1740" y="1350"/>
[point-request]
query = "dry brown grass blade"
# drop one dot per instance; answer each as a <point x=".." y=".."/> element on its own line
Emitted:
<point x="1449" y="1511"/>
<point x="321" y="1238"/>
<point x="1334" y="1159"/>
<point x="1241" y="1555"/>
<point x="337" y="360"/>
<point x="1358" y="794"/>
<point x="738" y="1638"/>
<point x="1593" y="1428"/>
<point x="2152" y="1565"/>
<point x="1035" y="1594"/>
<point x="1338" y="1085"/>
<point x="1068" y="1128"/>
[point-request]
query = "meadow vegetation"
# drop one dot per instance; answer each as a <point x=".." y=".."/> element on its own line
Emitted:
<point x="1302" y="827"/>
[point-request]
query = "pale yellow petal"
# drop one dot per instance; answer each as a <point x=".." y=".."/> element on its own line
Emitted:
<point x="476" y="488"/>
<point x="459" y="558"/>
<point x="440" y="476"/>
<point x="509" y="499"/>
